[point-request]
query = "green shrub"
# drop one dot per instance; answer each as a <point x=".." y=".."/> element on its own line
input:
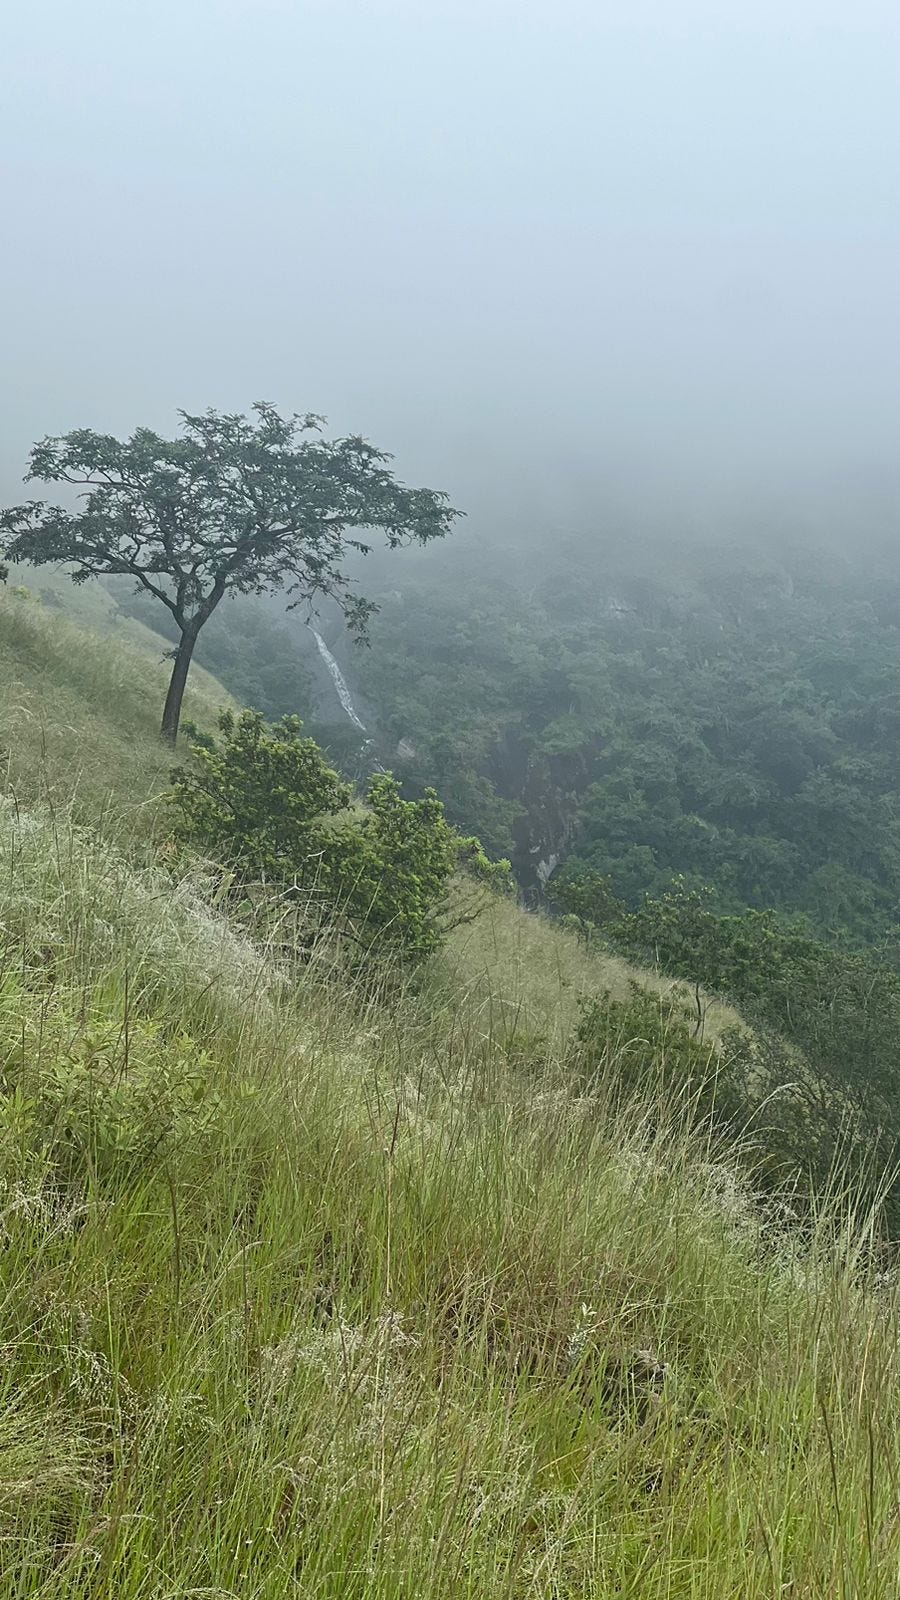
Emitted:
<point x="646" y="1045"/>
<point x="264" y="802"/>
<point x="90" y="1094"/>
<point x="837" y="1009"/>
<point x="585" y="898"/>
<point x="752" y="1091"/>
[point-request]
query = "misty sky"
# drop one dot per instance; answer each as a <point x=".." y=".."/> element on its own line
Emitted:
<point x="567" y="261"/>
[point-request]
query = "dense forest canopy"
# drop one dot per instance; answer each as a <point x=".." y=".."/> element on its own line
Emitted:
<point x="726" y="716"/>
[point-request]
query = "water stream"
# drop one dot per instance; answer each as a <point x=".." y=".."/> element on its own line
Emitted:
<point x="339" y="681"/>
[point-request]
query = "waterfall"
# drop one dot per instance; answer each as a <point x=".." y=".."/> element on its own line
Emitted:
<point x="339" y="681"/>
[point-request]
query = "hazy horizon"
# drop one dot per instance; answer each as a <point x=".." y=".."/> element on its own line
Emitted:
<point x="631" y="263"/>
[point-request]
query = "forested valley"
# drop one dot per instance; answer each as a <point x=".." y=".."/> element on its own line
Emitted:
<point x="724" y="717"/>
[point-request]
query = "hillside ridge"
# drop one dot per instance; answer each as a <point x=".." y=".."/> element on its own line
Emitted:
<point x="311" y="1286"/>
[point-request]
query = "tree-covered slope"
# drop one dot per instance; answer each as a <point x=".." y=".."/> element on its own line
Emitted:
<point x="729" y="718"/>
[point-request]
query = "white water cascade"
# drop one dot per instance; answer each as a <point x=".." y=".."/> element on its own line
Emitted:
<point x="339" y="681"/>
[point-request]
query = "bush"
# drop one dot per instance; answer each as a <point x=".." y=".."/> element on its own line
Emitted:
<point x="838" y="1010"/>
<point x="584" y="898"/>
<point x="645" y="1046"/>
<point x="265" y="803"/>
<point x="753" y="1092"/>
<point x="85" y="1094"/>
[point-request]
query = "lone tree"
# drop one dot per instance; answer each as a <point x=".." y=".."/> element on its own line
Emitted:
<point x="236" y="505"/>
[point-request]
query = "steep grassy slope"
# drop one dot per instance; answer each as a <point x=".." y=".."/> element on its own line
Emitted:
<point x="310" y="1292"/>
<point x="528" y="974"/>
<point x="298" y="1299"/>
<point x="79" y="711"/>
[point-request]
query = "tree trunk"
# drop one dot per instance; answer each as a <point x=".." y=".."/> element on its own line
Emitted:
<point x="177" y="682"/>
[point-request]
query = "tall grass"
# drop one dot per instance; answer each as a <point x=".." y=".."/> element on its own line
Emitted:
<point x="79" y="712"/>
<point x="304" y="1293"/>
<point x="530" y="975"/>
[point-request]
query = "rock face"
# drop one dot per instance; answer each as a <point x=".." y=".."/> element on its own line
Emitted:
<point x="547" y="787"/>
<point x="545" y="869"/>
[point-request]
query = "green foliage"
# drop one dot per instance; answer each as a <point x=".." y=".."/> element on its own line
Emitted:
<point x="391" y="871"/>
<point x="713" y="714"/>
<point x="646" y="1046"/>
<point x="234" y="506"/>
<point x="840" y="1009"/>
<point x="585" y="896"/>
<point x="747" y="1092"/>
<point x="258" y="797"/>
<point x="264" y="801"/>
<point x="89" y="1096"/>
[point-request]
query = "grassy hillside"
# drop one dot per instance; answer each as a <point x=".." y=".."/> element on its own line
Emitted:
<point x="529" y="973"/>
<point x="80" y="706"/>
<point x="293" y="1306"/>
<point x="313" y="1292"/>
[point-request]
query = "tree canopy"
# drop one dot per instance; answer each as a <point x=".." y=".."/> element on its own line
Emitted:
<point x="723" y="716"/>
<point x="236" y="505"/>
